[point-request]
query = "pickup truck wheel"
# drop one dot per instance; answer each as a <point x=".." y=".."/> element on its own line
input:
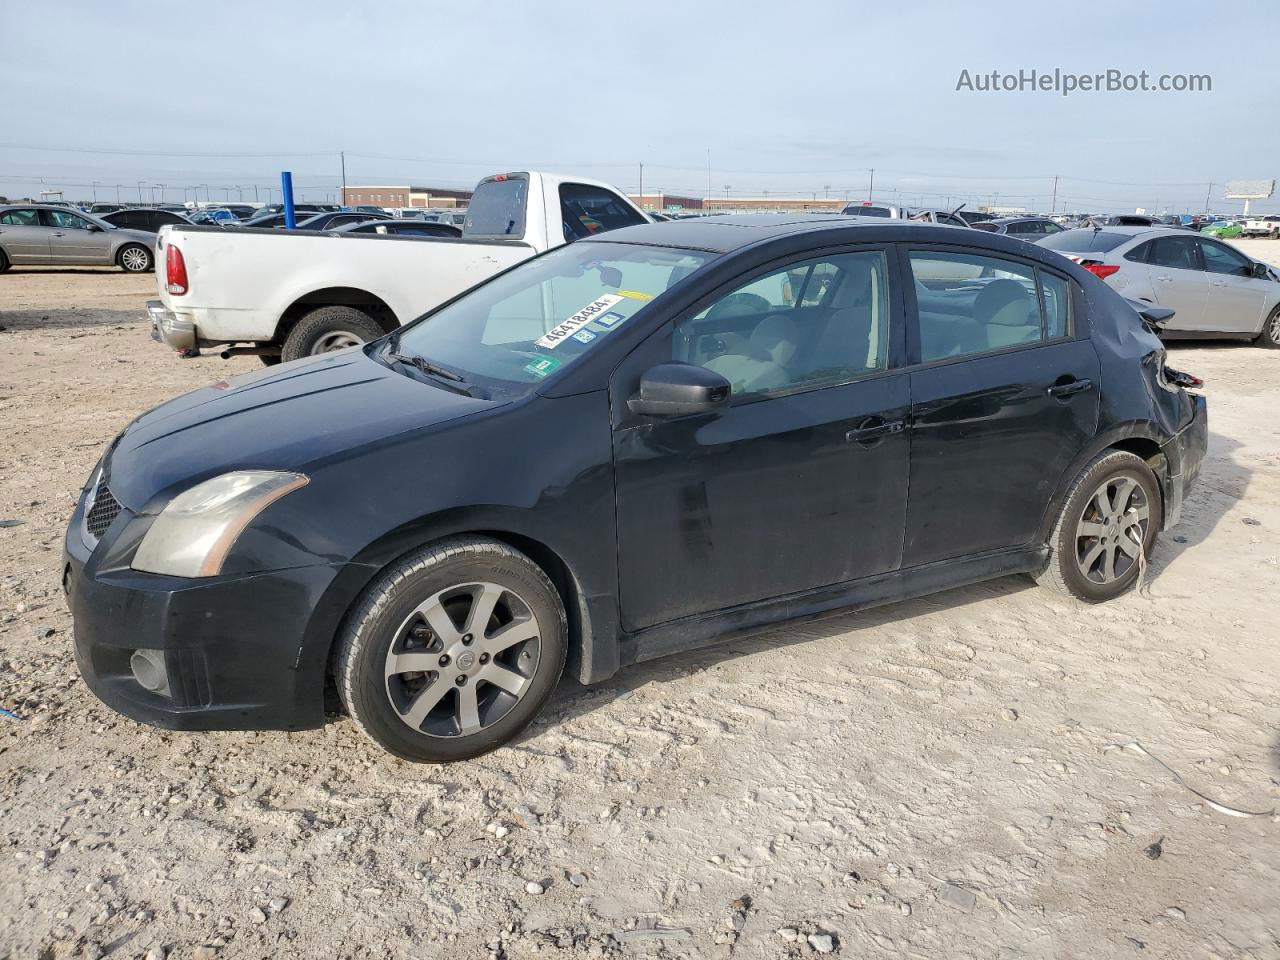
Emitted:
<point x="1270" y="336"/>
<point x="134" y="258"/>
<point x="328" y="329"/>
<point x="1106" y="531"/>
<point x="452" y="651"/>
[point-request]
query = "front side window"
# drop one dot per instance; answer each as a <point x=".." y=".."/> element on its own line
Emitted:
<point x="973" y="304"/>
<point x="543" y="316"/>
<point x="1221" y="259"/>
<point x="590" y="210"/>
<point x="66" y="221"/>
<point x="813" y="323"/>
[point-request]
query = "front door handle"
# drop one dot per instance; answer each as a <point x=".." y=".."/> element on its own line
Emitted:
<point x="1219" y="283"/>
<point x="873" y="429"/>
<point x="59" y="234"/>
<point x="1061" y="391"/>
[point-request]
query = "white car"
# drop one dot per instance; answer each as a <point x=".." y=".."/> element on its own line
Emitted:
<point x="285" y="294"/>
<point x="1215" y="290"/>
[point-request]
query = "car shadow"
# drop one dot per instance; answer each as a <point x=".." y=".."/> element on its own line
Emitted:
<point x="35" y="319"/>
<point x="568" y="701"/>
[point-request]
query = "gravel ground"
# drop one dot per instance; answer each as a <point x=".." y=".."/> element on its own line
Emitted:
<point x="921" y="781"/>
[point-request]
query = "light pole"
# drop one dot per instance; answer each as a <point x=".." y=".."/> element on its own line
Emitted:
<point x="207" y="198"/>
<point x="95" y="190"/>
<point x="161" y="186"/>
<point x="140" y="183"/>
<point x="118" y="192"/>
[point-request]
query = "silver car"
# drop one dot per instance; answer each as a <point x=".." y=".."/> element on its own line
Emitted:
<point x="1214" y="289"/>
<point x="34" y="233"/>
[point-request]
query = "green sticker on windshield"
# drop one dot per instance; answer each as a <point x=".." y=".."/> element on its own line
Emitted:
<point x="542" y="366"/>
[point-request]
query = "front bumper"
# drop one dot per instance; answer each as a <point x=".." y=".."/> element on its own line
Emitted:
<point x="1185" y="455"/>
<point x="230" y="653"/>
<point x="172" y="330"/>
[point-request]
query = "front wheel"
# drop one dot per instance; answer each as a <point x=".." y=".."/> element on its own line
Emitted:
<point x="1270" y="336"/>
<point x="134" y="258"/>
<point x="452" y="651"/>
<point x="327" y="329"/>
<point x="1106" y="531"/>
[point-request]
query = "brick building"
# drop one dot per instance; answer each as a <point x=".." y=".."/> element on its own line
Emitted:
<point x="402" y="195"/>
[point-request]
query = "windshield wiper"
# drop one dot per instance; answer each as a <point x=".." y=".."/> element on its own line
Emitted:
<point x="452" y="380"/>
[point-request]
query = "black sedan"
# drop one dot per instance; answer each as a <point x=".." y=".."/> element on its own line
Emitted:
<point x="333" y="219"/>
<point x="1024" y="228"/>
<point x="150" y="219"/>
<point x="633" y="445"/>
<point x="402" y="228"/>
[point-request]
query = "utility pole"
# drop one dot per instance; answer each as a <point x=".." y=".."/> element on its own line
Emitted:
<point x="871" y="188"/>
<point x="708" y="175"/>
<point x="642" y="186"/>
<point x="117" y="193"/>
<point x="255" y="193"/>
<point x="1053" y="207"/>
<point x="1206" y="197"/>
<point x="95" y="191"/>
<point x="140" y="183"/>
<point x="342" y="154"/>
<point x="826" y="187"/>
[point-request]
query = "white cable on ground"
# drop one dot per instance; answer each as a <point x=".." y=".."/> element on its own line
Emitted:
<point x="1135" y="747"/>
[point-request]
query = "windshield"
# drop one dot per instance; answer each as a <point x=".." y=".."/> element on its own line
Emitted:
<point x="1084" y="241"/>
<point x="539" y="318"/>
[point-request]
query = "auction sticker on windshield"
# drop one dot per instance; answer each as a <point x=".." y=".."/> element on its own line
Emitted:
<point x="562" y="331"/>
<point x="542" y="366"/>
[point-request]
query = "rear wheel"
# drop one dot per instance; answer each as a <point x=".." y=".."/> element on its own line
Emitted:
<point x="452" y="651"/>
<point x="327" y="329"/>
<point x="1270" y="336"/>
<point x="1106" y="531"/>
<point x="134" y="258"/>
<point x="4" y="262"/>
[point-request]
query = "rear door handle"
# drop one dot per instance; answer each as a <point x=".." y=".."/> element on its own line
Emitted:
<point x="873" y="428"/>
<point x="1062" y="390"/>
<point x="1165" y="279"/>
<point x="1219" y="283"/>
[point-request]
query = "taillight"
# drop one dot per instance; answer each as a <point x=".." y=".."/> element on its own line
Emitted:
<point x="1100" y="270"/>
<point x="1180" y="379"/>
<point x="175" y="271"/>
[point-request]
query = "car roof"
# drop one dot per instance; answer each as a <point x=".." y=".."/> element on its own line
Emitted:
<point x="725" y="234"/>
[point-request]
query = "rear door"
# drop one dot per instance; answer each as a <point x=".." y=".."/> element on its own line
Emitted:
<point x="801" y="482"/>
<point x="1004" y="398"/>
<point x="22" y="236"/>
<point x="73" y="239"/>
<point x="1178" y="280"/>
<point x="1237" y="298"/>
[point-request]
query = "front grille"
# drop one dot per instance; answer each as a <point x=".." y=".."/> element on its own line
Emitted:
<point x="104" y="510"/>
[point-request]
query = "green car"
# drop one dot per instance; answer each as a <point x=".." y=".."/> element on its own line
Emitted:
<point x="1223" y="229"/>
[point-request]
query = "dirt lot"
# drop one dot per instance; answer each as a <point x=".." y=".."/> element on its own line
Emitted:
<point x="928" y="780"/>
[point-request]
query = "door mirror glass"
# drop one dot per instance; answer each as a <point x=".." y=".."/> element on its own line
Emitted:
<point x="93" y="228"/>
<point x="1261" y="272"/>
<point x="679" y="389"/>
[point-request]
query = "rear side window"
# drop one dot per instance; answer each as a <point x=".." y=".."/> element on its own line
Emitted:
<point x="1057" y="304"/>
<point x="20" y="218"/>
<point x="497" y="208"/>
<point x="592" y="210"/>
<point x="970" y="304"/>
<point x="1176" y="252"/>
<point x="1085" y="241"/>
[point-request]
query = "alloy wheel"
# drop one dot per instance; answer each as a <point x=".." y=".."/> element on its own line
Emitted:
<point x="135" y="260"/>
<point x="462" y="659"/>
<point x="1112" y="530"/>
<point x="337" y="340"/>
<point x="1272" y="332"/>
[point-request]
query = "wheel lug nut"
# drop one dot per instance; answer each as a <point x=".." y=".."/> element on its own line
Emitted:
<point x="484" y="658"/>
<point x="466" y="638"/>
<point x="462" y="680"/>
<point x="445" y="660"/>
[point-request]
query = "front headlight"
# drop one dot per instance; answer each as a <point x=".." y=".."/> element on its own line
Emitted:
<point x="195" y="532"/>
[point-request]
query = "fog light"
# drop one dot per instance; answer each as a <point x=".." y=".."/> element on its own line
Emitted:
<point x="148" y="669"/>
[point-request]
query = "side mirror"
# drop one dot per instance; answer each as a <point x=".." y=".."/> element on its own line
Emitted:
<point x="679" y="389"/>
<point x="1260" y="271"/>
<point x="94" y="228"/>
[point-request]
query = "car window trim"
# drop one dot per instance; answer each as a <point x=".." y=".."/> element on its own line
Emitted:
<point x="912" y="315"/>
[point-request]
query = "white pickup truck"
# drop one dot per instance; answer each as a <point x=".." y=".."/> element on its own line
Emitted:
<point x="1268" y="226"/>
<point x="284" y="294"/>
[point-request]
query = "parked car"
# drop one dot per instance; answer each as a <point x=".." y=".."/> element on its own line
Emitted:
<point x="868" y="209"/>
<point x="1024" y="228"/>
<point x="147" y="219"/>
<point x="1268" y="226"/>
<point x="654" y="437"/>
<point x="98" y="209"/>
<point x="339" y="218"/>
<point x="216" y="217"/>
<point x="370" y="208"/>
<point x="939" y="216"/>
<point x="1225" y="229"/>
<point x="972" y="217"/>
<point x="402" y="228"/>
<point x="294" y="293"/>
<point x="45" y="234"/>
<point x="1216" y="290"/>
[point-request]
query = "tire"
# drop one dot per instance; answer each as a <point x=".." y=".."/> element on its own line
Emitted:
<point x="1270" y="336"/>
<point x="4" y="262"/>
<point x="1075" y="566"/>
<point x="135" y="258"/>
<point x="327" y="329"/>
<point x="416" y="613"/>
<point x="269" y="359"/>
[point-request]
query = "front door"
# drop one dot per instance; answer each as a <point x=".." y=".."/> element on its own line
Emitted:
<point x="1005" y="398"/>
<point x="1236" y="297"/>
<point x="801" y="481"/>
<point x="22" y="237"/>
<point x="74" y="239"/>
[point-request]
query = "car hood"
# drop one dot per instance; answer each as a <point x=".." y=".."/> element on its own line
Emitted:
<point x="288" y="418"/>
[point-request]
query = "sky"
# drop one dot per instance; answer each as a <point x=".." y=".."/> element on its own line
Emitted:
<point x="799" y="98"/>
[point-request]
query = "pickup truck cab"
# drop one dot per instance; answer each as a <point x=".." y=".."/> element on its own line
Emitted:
<point x="282" y="295"/>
